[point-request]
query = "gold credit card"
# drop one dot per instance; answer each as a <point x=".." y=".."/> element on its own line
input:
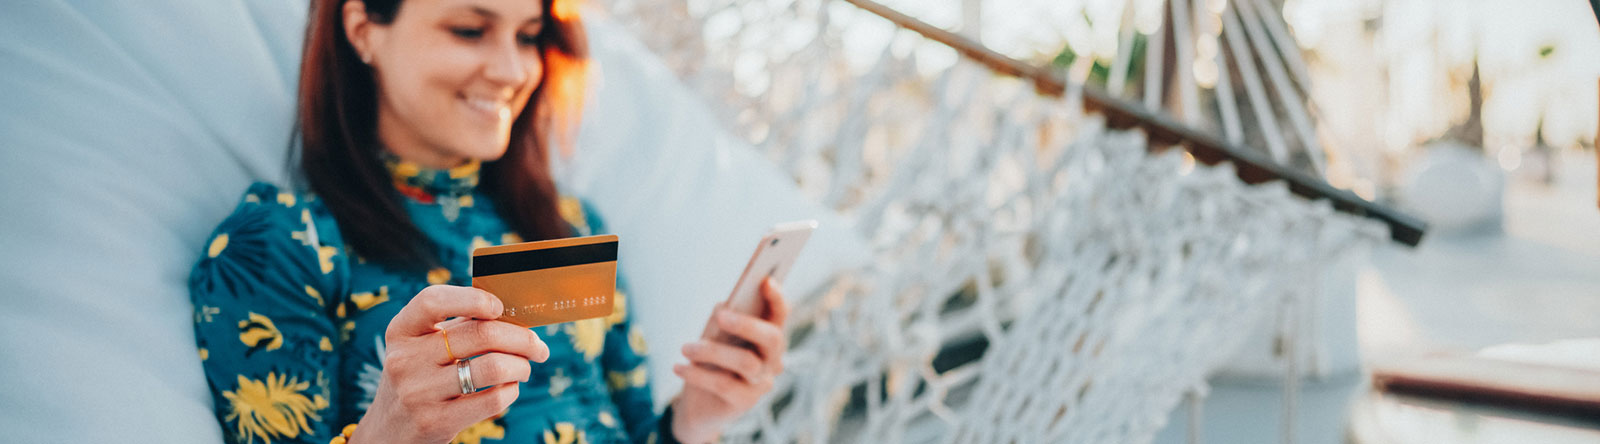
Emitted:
<point x="552" y="281"/>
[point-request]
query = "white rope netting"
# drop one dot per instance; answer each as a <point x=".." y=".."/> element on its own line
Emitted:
<point x="1037" y="276"/>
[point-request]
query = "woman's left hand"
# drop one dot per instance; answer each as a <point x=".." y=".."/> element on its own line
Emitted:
<point x="722" y="380"/>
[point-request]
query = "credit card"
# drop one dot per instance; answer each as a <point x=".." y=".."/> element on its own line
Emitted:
<point x="552" y="281"/>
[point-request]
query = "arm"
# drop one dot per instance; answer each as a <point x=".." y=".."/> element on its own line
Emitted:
<point x="261" y="299"/>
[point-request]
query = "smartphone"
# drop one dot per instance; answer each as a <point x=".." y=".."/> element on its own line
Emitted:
<point x="773" y="258"/>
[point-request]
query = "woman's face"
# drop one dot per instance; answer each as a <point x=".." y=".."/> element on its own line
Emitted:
<point x="452" y="75"/>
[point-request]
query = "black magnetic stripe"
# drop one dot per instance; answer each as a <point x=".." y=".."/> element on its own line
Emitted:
<point x="516" y="262"/>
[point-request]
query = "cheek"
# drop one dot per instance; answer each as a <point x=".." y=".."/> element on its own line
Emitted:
<point x="421" y="81"/>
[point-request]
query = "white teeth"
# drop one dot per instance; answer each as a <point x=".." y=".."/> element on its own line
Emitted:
<point x="489" y="106"/>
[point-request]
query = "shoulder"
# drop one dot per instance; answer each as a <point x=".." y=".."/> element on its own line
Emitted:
<point x="265" y="208"/>
<point x="272" y="233"/>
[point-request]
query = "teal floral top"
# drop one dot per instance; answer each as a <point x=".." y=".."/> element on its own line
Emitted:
<point x="290" y="325"/>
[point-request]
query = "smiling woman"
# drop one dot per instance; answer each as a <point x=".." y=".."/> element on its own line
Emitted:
<point x="349" y="302"/>
<point x="445" y="75"/>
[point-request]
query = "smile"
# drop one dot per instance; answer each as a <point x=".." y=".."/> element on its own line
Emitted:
<point x="495" y="109"/>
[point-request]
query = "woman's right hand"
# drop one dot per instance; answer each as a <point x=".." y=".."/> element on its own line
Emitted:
<point x="419" y="396"/>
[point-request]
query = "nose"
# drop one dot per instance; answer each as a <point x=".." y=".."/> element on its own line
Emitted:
<point x="506" y="64"/>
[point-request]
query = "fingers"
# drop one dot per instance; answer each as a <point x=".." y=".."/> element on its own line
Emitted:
<point x="487" y="371"/>
<point x="472" y="338"/>
<point x="487" y="402"/>
<point x="777" y="308"/>
<point x="493" y="369"/>
<point x="737" y="360"/>
<point x="767" y="338"/>
<point x="440" y="302"/>
<point x="721" y="384"/>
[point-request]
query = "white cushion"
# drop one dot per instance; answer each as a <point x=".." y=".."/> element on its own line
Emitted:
<point x="688" y="199"/>
<point x="128" y="131"/>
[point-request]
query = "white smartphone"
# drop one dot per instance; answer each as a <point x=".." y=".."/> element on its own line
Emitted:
<point x="773" y="258"/>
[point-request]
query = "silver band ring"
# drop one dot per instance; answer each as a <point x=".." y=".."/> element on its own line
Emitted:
<point x="464" y="374"/>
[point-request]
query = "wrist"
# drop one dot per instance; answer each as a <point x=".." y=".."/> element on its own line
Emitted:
<point x="372" y="429"/>
<point x="687" y="429"/>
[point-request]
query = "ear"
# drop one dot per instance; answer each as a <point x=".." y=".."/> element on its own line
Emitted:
<point x="358" y="28"/>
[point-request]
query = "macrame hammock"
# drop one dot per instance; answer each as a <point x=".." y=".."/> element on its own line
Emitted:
<point x="1038" y="276"/>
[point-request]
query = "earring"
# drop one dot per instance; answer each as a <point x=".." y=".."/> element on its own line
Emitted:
<point x="366" y="58"/>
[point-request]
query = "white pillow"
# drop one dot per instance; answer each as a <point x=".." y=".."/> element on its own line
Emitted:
<point x="689" y="200"/>
<point x="128" y="131"/>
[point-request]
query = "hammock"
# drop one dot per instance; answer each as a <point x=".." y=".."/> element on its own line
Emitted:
<point x="1037" y="276"/>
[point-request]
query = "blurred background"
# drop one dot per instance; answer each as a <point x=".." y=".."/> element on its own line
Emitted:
<point x="1475" y="118"/>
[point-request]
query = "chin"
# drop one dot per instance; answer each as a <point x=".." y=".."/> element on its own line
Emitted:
<point x="489" y="156"/>
<point x="486" y="152"/>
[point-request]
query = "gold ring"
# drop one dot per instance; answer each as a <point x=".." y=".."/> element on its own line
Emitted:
<point x="446" y="335"/>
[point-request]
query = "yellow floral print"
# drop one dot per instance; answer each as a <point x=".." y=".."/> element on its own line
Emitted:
<point x="346" y="330"/>
<point x="476" y="433"/>
<point x="276" y="408"/>
<point x="365" y="300"/>
<point x="564" y="433"/>
<point x="465" y="201"/>
<point x="259" y="332"/>
<point x="572" y="211"/>
<point x="438" y="276"/>
<point x="588" y="337"/>
<point x="463" y="171"/>
<point x="635" y="378"/>
<point x="607" y="419"/>
<point x="510" y="238"/>
<point x="218" y="244"/>
<point x="301" y="235"/>
<point x="325" y="345"/>
<point x="315" y="295"/>
<point x="479" y="242"/>
<point x="287" y="199"/>
<point x="325" y="258"/>
<point x="204" y="354"/>
<point x="636" y="341"/>
<point x="407" y="170"/>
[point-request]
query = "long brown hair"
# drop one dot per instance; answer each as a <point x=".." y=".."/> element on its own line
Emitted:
<point x="337" y="128"/>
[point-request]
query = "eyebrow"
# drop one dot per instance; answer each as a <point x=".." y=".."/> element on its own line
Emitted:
<point x="493" y="15"/>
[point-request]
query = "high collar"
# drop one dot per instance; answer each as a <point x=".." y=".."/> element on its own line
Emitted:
<point x="429" y="185"/>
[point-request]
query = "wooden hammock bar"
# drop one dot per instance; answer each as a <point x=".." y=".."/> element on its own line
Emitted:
<point x="1163" y="130"/>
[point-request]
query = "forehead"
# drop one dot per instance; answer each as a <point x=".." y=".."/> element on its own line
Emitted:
<point x="509" y="10"/>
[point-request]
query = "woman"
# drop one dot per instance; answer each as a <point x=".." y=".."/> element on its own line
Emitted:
<point x="338" y="314"/>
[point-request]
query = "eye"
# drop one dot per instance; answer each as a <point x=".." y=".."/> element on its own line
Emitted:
<point x="531" y="40"/>
<point x="467" y="33"/>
